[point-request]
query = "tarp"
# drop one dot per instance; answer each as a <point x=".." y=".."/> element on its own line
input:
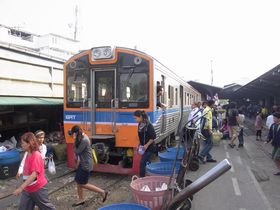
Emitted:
<point x="16" y="101"/>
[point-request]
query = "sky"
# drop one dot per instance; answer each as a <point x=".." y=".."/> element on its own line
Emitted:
<point x="238" y="39"/>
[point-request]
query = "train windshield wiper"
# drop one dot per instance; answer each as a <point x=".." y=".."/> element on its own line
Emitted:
<point x="131" y="72"/>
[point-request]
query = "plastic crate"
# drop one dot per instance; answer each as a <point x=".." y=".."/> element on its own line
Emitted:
<point x="124" y="206"/>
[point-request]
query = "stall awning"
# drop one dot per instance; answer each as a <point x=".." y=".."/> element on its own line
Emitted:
<point x="16" y="101"/>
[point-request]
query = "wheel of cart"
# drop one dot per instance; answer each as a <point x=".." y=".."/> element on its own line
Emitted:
<point x="193" y="162"/>
<point x="190" y="159"/>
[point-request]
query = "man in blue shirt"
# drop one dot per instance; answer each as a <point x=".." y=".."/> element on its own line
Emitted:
<point x="274" y="138"/>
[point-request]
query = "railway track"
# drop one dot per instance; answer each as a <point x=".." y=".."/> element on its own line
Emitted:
<point x="9" y="201"/>
<point x="117" y="185"/>
<point x="62" y="189"/>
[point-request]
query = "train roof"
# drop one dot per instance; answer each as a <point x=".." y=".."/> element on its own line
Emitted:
<point x="140" y="52"/>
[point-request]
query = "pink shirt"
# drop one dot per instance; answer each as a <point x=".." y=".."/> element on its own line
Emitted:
<point x="224" y="128"/>
<point x="258" y="122"/>
<point x="34" y="162"/>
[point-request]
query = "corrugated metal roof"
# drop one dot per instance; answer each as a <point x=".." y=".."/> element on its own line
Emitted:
<point x="267" y="84"/>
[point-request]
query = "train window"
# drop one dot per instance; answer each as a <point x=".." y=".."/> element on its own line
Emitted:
<point x="170" y="95"/>
<point x="188" y="96"/>
<point x="176" y="96"/>
<point x="163" y="97"/>
<point x="191" y="99"/>
<point x="104" y="84"/>
<point x="133" y="89"/>
<point x="77" y="84"/>
<point x="77" y="88"/>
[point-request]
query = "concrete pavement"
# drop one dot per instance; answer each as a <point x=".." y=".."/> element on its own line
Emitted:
<point x="250" y="184"/>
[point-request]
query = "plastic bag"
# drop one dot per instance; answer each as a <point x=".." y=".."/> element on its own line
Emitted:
<point x="145" y="188"/>
<point x="140" y="149"/>
<point x="3" y="149"/>
<point x="162" y="187"/>
<point x="51" y="166"/>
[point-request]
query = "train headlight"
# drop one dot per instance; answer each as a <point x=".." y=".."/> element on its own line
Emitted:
<point x="96" y="53"/>
<point x="102" y="53"/>
<point x="107" y="53"/>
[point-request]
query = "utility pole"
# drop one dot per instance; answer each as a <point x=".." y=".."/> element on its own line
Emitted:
<point x="211" y="73"/>
<point x="76" y="23"/>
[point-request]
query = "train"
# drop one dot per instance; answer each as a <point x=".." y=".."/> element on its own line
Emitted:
<point x="104" y="86"/>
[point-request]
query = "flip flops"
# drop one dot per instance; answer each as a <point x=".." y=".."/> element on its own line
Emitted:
<point x="105" y="196"/>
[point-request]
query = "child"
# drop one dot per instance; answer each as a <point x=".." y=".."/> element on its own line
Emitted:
<point x="40" y="136"/>
<point x="258" y="126"/>
<point x="33" y="189"/>
<point x="225" y="129"/>
<point x="274" y="138"/>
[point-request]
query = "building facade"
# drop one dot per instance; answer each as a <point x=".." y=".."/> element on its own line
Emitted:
<point x="32" y="65"/>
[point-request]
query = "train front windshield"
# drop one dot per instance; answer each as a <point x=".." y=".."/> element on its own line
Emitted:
<point x="77" y="82"/>
<point x="127" y="80"/>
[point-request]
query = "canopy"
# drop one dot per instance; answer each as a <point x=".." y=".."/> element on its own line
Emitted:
<point x="16" y="101"/>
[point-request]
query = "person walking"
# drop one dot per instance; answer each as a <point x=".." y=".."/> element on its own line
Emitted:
<point x="206" y="131"/>
<point x="84" y="165"/>
<point x="33" y="189"/>
<point x="194" y="116"/>
<point x="241" y="129"/>
<point x="40" y="137"/>
<point x="274" y="138"/>
<point x="233" y="122"/>
<point x="193" y="120"/>
<point x="258" y="126"/>
<point x="269" y="119"/>
<point x="146" y="135"/>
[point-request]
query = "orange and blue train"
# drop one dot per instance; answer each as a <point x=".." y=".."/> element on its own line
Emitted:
<point x="104" y="86"/>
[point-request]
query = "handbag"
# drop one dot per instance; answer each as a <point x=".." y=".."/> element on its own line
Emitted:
<point x="51" y="167"/>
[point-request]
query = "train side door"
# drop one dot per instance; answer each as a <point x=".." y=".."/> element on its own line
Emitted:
<point x="164" y="111"/>
<point x="181" y="108"/>
<point x="104" y="97"/>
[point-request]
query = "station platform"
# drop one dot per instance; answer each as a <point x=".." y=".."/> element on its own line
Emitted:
<point x="262" y="169"/>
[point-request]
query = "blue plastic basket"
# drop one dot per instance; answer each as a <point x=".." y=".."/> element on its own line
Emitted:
<point x="124" y="206"/>
<point x="174" y="149"/>
<point x="170" y="156"/>
<point x="162" y="168"/>
<point x="9" y="157"/>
